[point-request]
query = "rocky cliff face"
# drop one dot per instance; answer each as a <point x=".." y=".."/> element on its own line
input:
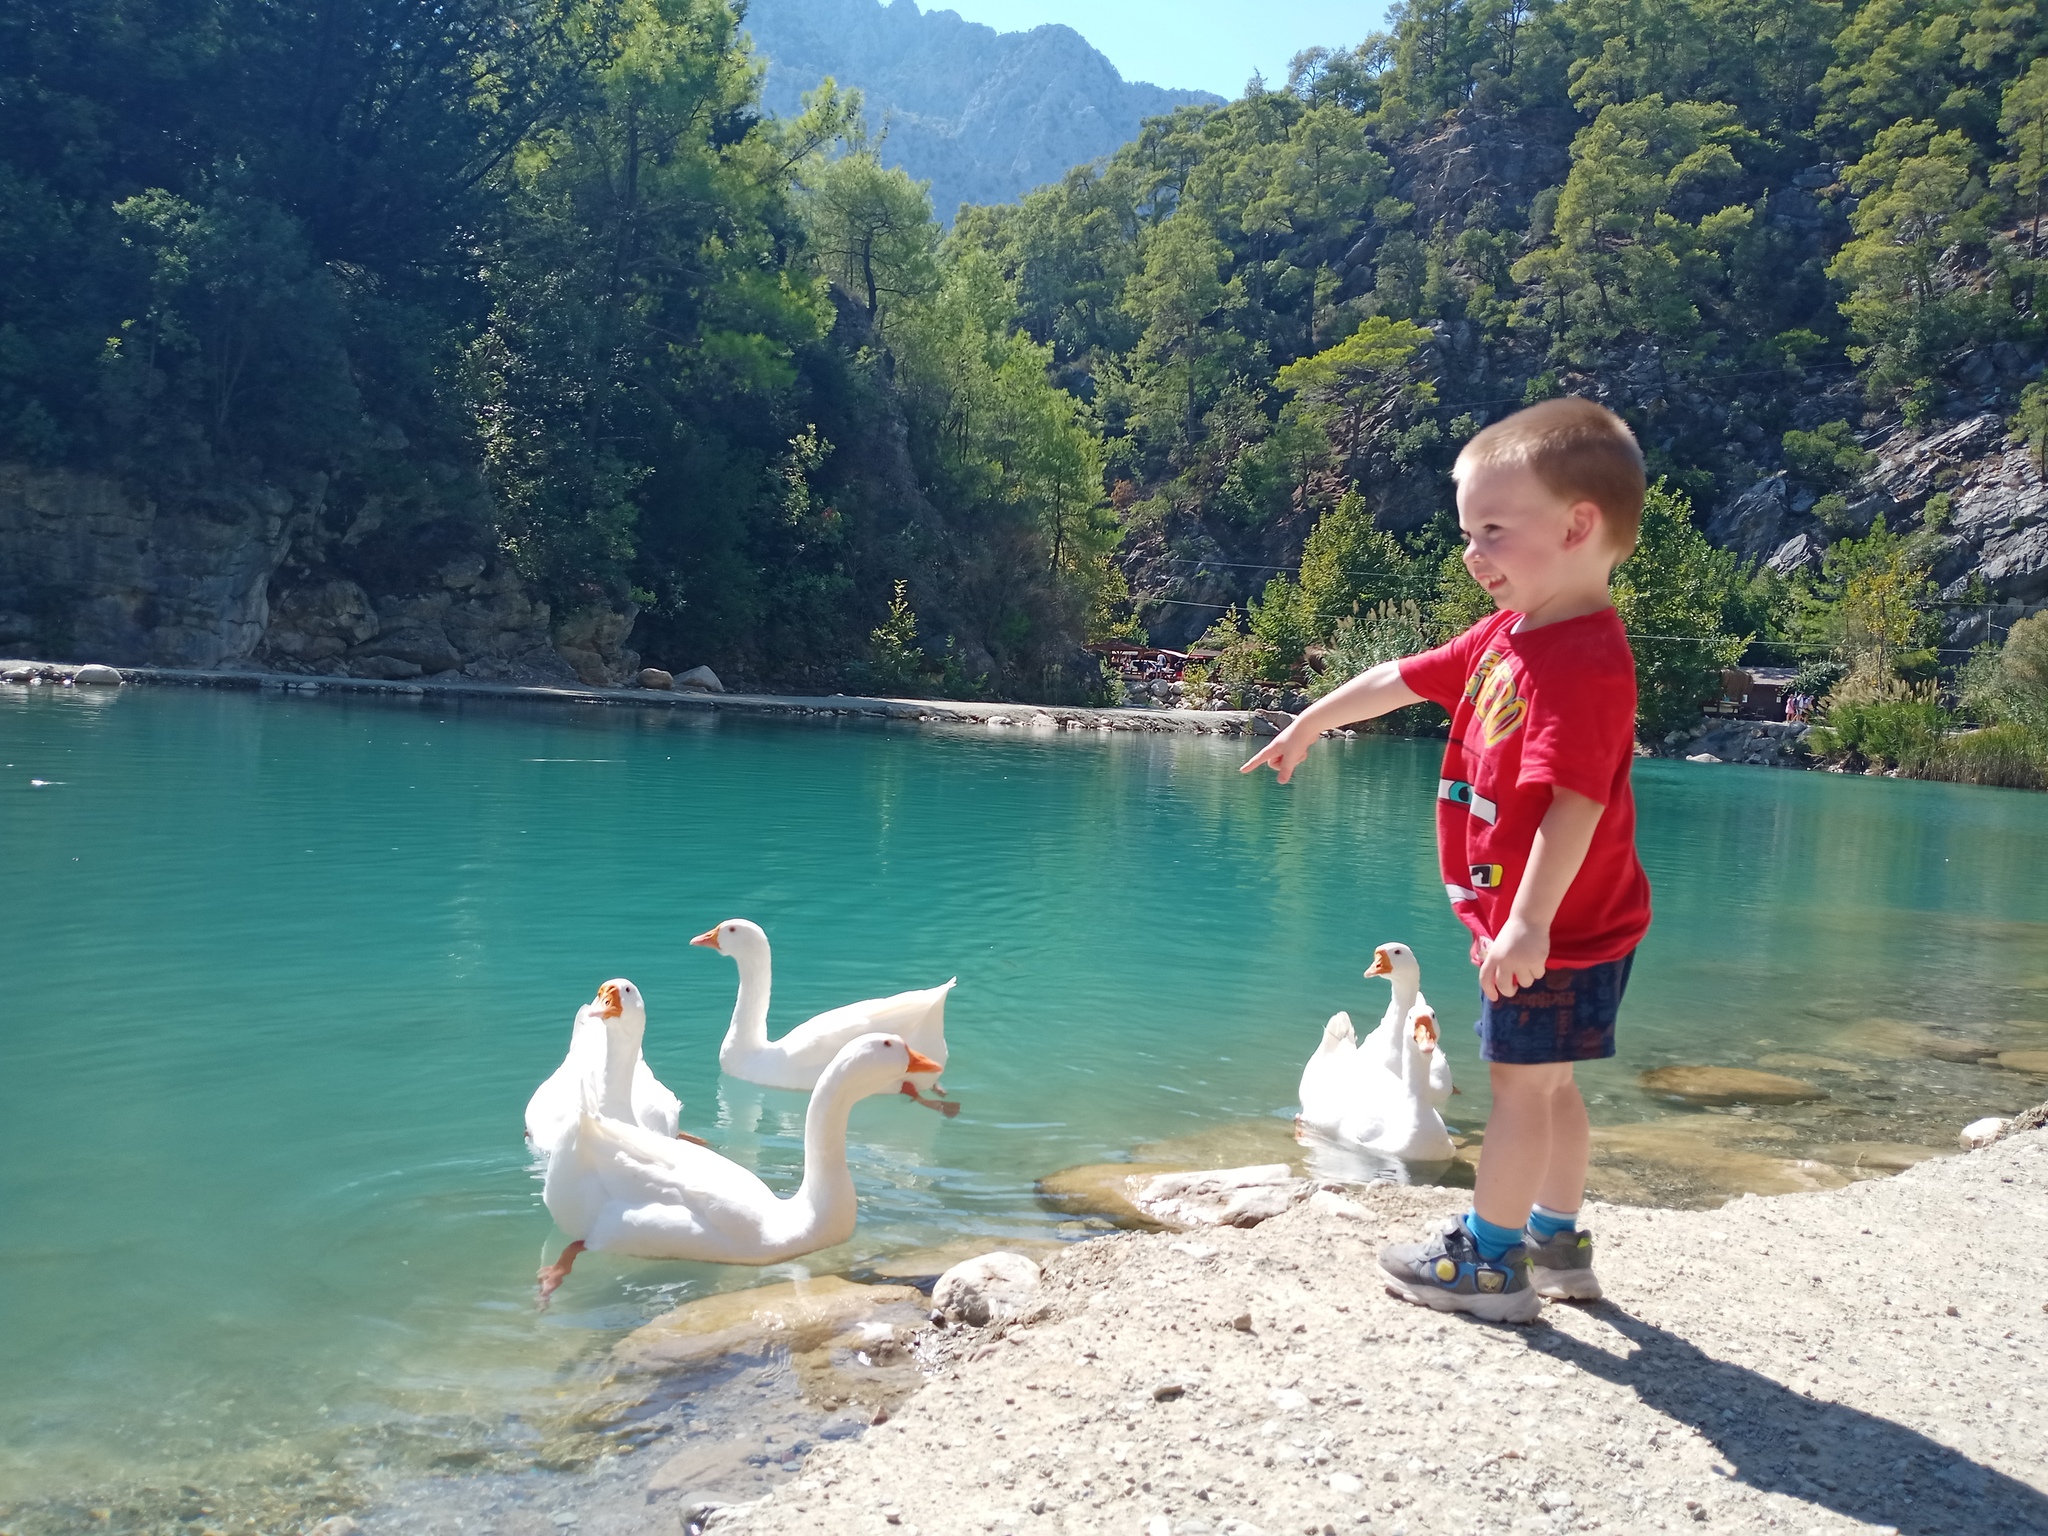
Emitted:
<point x="252" y="576"/>
<point x="983" y="115"/>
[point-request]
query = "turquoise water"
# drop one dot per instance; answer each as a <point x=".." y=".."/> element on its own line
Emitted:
<point x="281" y="974"/>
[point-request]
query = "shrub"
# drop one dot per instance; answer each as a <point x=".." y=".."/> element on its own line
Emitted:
<point x="1384" y="632"/>
<point x="2006" y="756"/>
<point x="1899" y="733"/>
<point x="1828" y="456"/>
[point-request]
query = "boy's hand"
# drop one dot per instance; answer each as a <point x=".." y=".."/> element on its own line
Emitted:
<point x="1283" y="754"/>
<point x="1516" y="957"/>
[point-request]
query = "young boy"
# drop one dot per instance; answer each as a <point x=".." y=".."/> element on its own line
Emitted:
<point x="1536" y="828"/>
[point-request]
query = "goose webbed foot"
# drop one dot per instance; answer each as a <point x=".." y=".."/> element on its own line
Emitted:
<point x="552" y="1277"/>
<point x="938" y="1101"/>
<point x="697" y="1141"/>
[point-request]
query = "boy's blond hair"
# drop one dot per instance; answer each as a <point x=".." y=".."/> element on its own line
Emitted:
<point x="1580" y="450"/>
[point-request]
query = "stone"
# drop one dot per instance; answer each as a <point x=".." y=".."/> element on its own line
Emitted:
<point x="1702" y="757"/>
<point x="1728" y="1085"/>
<point x="654" y="677"/>
<point x="702" y="679"/>
<point x="2024" y="1061"/>
<point x="799" y="1313"/>
<point x="1228" y="1197"/>
<point x="97" y="674"/>
<point x="593" y="642"/>
<point x="335" y="1525"/>
<point x="1168" y="1391"/>
<point x="1345" y="1483"/>
<point x="1982" y="1133"/>
<point x="1942" y="1048"/>
<point x="991" y="1288"/>
<point x="1102" y="1189"/>
<point x="1878" y="1156"/>
<point x="390" y="669"/>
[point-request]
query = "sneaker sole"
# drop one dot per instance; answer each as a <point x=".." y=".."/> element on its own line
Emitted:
<point x="1508" y="1307"/>
<point x="1566" y="1284"/>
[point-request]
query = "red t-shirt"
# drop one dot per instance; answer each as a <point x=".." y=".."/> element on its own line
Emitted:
<point x="1555" y="706"/>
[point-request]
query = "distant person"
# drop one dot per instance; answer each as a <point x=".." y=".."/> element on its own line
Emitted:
<point x="1536" y="831"/>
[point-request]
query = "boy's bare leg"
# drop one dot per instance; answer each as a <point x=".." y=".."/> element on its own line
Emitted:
<point x="1533" y="1142"/>
<point x="1563" y="1187"/>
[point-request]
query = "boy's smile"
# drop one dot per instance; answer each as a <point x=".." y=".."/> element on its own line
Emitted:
<point x="1530" y="549"/>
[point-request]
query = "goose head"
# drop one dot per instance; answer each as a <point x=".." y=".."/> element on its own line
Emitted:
<point x="1397" y="963"/>
<point x="874" y="1064"/>
<point x="1423" y="1024"/>
<point x="736" y="938"/>
<point x="619" y="1006"/>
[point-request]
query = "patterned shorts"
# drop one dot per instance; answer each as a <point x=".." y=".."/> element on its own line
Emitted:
<point x="1565" y="1016"/>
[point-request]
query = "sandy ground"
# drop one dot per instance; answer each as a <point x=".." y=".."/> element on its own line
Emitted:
<point x="1868" y="1358"/>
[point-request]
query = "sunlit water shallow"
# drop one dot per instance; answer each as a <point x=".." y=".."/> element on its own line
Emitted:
<point x="281" y="974"/>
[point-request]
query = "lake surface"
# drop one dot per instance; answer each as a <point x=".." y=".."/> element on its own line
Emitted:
<point x="281" y="974"/>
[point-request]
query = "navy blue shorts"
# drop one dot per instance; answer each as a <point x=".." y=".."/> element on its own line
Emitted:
<point x="1564" y="1016"/>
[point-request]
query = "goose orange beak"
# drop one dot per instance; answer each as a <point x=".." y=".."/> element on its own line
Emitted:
<point x="1381" y="965"/>
<point x="1425" y="1031"/>
<point x="612" y="1004"/>
<point x="707" y="940"/>
<point x="919" y="1062"/>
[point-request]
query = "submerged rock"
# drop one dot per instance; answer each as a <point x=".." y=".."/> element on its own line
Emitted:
<point x="95" y="673"/>
<point x="987" y="1289"/>
<point x="1102" y="1189"/>
<point x="801" y="1314"/>
<point x="2024" y="1061"/>
<point x="1728" y="1085"/>
<point x="1228" y="1197"/>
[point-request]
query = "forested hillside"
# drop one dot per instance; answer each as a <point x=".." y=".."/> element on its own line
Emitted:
<point x="982" y="115"/>
<point x="490" y="333"/>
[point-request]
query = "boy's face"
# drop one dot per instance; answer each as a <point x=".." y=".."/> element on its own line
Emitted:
<point x="1525" y="544"/>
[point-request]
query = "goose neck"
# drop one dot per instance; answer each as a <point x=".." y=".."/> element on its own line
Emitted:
<point x="825" y="1200"/>
<point x="749" y="1031"/>
<point x="621" y="1058"/>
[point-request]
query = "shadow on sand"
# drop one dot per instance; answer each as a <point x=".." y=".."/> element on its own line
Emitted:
<point x="1854" y="1463"/>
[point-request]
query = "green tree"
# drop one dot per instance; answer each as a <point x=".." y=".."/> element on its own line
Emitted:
<point x="1871" y="604"/>
<point x="1177" y="294"/>
<point x="1347" y="564"/>
<point x="1672" y="595"/>
<point x="2024" y="122"/>
<point x="872" y="229"/>
<point x="1360" y="385"/>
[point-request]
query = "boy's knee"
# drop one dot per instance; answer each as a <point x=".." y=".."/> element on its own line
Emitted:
<point x="1537" y="1080"/>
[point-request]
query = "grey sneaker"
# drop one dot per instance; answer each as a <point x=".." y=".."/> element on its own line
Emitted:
<point x="1562" y="1268"/>
<point x="1447" y="1273"/>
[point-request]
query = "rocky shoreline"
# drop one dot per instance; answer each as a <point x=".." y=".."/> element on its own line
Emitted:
<point x="1867" y="1358"/>
<point x="837" y="706"/>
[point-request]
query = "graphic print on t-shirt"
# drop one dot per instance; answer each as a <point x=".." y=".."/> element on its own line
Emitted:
<point x="1497" y="708"/>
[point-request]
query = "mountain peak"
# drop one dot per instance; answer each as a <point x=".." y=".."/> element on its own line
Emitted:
<point x="983" y="115"/>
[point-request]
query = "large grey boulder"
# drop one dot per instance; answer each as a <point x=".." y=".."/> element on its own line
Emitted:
<point x="1227" y="1197"/>
<point x="702" y="679"/>
<point x="987" y="1289"/>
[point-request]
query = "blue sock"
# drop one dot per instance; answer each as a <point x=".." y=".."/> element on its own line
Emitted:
<point x="1546" y="1223"/>
<point x="1492" y="1241"/>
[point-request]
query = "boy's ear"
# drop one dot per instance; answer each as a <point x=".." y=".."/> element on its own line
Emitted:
<point x="1586" y="522"/>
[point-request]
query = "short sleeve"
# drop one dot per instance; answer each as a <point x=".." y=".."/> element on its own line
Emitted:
<point x="1439" y="675"/>
<point x="1582" y="734"/>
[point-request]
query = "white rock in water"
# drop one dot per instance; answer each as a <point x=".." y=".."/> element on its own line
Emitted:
<point x="1981" y="1133"/>
<point x="703" y="679"/>
<point x="1703" y="757"/>
<point x="95" y="673"/>
<point x="987" y="1289"/>
<point x="654" y="677"/>
<point x="1225" y="1197"/>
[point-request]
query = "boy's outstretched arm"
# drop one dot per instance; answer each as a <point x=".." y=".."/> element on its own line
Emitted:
<point x="1520" y="952"/>
<point x="1374" y="692"/>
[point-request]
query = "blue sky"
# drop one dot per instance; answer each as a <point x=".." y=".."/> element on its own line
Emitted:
<point x="1211" y="45"/>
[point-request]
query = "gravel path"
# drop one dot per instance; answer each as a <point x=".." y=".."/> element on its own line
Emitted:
<point x="1870" y="1358"/>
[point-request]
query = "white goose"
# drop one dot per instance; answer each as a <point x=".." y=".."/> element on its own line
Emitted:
<point x="799" y="1057"/>
<point x="636" y="1095"/>
<point x="616" y="1189"/>
<point x="1398" y="964"/>
<point x="1326" y="1080"/>
<point x="1395" y="1115"/>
